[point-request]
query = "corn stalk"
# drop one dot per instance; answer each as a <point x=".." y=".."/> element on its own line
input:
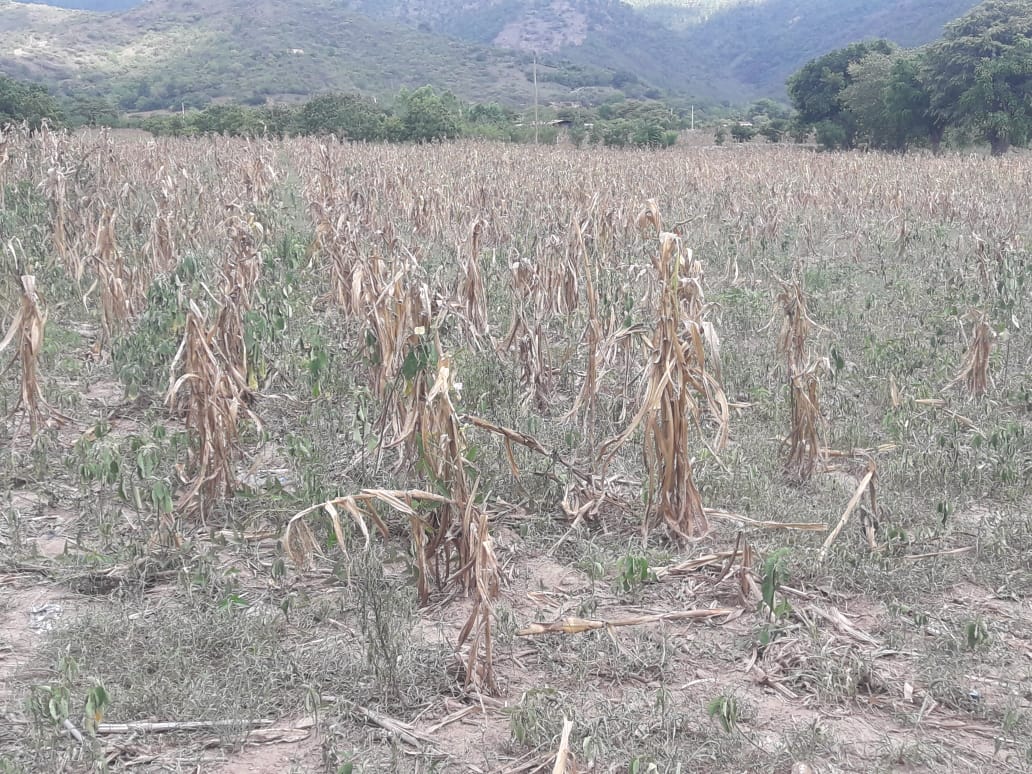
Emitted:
<point x="26" y="331"/>
<point x="804" y="444"/>
<point x="974" y="372"/>
<point x="679" y="384"/>
<point x="211" y="395"/>
<point x="805" y="448"/>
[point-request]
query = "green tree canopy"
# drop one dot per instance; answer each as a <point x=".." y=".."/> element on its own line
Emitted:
<point x="427" y="115"/>
<point x="347" y="116"/>
<point x="980" y="73"/>
<point x="889" y="102"/>
<point x="907" y="99"/>
<point x="28" y="102"/>
<point x="816" y="91"/>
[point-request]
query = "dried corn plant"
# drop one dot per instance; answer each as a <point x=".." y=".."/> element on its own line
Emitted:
<point x="351" y="272"/>
<point x="650" y="216"/>
<point x="701" y="342"/>
<point x="434" y="442"/>
<point x="241" y="270"/>
<point x="259" y="174"/>
<point x="974" y="372"/>
<point x="471" y="297"/>
<point x="112" y="276"/>
<point x="806" y="450"/>
<point x="161" y="245"/>
<point x="678" y="384"/>
<point x="452" y="543"/>
<point x="795" y="327"/>
<point x="479" y="663"/>
<point x="55" y="188"/>
<point x="299" y="541"/>
<point x="527" y="336"/>
<point x="212" y="399"/>
<point x="26" y="333"/>
<point x="398" y="318"/>
<point x="6" y="142"/>
<point x="592" y="340"/>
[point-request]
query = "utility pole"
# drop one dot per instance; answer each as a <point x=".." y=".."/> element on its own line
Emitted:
<point x="535" y="100"/>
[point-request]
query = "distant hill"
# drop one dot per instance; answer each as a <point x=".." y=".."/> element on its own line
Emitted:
<point x="680" y="14"/>
<point x="762" y="42"/>
<point x="725" y="49"/>
<point x="164" y="52"/>
<point x="90" y="5"/>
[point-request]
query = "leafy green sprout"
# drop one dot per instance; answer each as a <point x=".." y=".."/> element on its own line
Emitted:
<point x="726" y="710"/>
<point x="633" y="572"/>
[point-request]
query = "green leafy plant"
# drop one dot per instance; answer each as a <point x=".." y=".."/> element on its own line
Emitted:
<point x="97" y="702"/>
<point x="538" y="717"/>
<point x="632" y="573"/>
<point x="642" y="765"/>
<point x="976" y="634"/>
<point x="385" y="611"/>
<point x="773" y="574"/>
<point x="726" y="711"/>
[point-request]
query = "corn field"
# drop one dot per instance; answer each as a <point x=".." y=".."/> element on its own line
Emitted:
<point x="348" y="348"/>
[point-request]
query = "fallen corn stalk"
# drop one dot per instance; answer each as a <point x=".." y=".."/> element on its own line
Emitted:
<point x="562" y="757"/>
<point x="805" y="526"/>
<point x="866" y="485"/>
<point x="300" y="543"/>
<point x="170" y="726"/>
<point x="574" y="625"/>
<point x="510" y="436"/>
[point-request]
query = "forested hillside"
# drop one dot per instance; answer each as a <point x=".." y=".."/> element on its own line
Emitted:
<point x="169" y="52"/>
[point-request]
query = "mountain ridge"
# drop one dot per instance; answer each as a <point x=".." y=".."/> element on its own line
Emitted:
<point x="164" y="52"/>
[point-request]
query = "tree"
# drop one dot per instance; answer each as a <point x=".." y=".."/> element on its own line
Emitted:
<point x="775" y="129"/>
<point x="616" y="134"/>
<point x="890" y="103"/>
<point x="27" y="102"/>
<point x="816" y="91"/>
<point x="769" y="108"/>
<point x="648" y="134"/>
<point x="742" y="132"/>
<point x="232" y="120"/>
<point x="832" y="135"/>
<point x="908" y="100"/>
<point x="347" y="116"/>
<point x="864" y="99"/>
<point x="980" y="73"/>
<point x="428" y="116"/>
<point x="90" y="111"/>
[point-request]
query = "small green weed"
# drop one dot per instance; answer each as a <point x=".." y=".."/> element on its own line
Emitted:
<point x="726" y="711"/>
<point x="633" y="572"/>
